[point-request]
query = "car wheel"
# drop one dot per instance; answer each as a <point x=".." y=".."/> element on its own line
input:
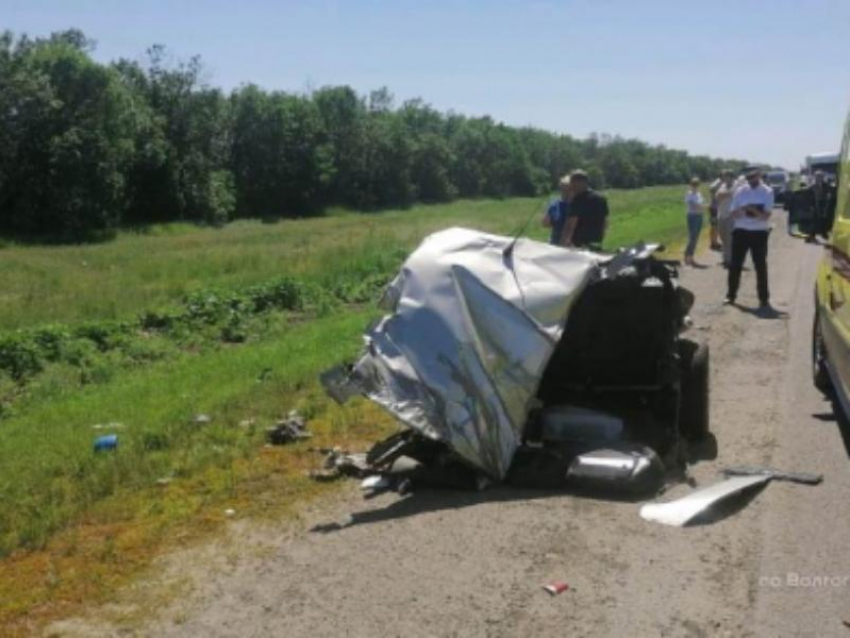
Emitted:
<point x="694" y="399"/>
<point x="820" y="374"/>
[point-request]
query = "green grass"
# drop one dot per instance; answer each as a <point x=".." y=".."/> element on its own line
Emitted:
<point x="48" y="471"/>
<point x="138" y="272"/>
<point x="53" y="487"/>
<point x="79" y="523"/>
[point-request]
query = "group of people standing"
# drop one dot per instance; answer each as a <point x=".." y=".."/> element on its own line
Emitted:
<point x="579" y="217"/>
<point x="739" y="213"/>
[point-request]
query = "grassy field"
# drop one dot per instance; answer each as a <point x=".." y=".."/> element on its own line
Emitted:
<point x="142" y="271"/>
<point x="76" y="523"/>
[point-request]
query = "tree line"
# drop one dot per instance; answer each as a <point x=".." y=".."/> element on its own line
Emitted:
<point x="86" y="147"/>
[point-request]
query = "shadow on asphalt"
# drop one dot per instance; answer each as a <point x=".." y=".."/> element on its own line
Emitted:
<point x="838" y="417"/>
<point x="425" y="500"/>
<point x="762" y="313"/>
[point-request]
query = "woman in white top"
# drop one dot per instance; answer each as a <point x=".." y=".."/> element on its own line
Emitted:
<point x="696" y="208"/>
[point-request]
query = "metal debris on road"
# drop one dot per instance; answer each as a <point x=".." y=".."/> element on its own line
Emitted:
<point x="636" y="470"/>
<point x="375" y="483"/>
<point x="777" y="475"/>
<point x="682" y="511"/>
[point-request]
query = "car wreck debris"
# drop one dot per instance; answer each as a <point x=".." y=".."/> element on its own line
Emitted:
<point x="287" y="430"/>
<point x="740" y="480"/>
<point x="511" y="360"/>
<point x="570" y="423"/>
<point x="684" y="510"/>
<point x="375" y="483"/>
<point x="776" y="475"/>
<point x="630" y="471"/>
<point x="346" y="464"/>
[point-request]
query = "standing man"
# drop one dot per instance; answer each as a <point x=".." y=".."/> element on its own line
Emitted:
<point x="714" y="236"/>
<point x="752" y="205"/>
<point x="725" y="221"/>
<point x="556" y="214"/>
<point x="588" y="220"/>
<point x="821" y="197"/>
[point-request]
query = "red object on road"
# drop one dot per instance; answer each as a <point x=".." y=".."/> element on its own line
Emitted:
<point x="556" y="588"/>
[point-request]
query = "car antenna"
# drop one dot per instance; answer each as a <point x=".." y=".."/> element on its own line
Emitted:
<point x="509" y="249"/>
<point x="508" y="252"/>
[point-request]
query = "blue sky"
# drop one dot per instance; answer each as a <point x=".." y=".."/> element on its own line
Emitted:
<point x="756" y="79"/>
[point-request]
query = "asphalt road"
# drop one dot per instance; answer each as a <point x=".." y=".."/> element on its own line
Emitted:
<point x="472" y="564"/>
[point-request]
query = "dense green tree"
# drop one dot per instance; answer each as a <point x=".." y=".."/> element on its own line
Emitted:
<point x="346" y="127"/>
<point x="619" y="170"/>
<point x="67" y="138"/>
<point x="430" y="170"/>
<point x="281" y="158"/>
<point x="85" y="147"/>
<point x="385" y="177"/>
<point x="180" y="168"/>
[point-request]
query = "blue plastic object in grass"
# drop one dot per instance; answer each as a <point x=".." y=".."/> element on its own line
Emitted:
<point x="106" y="443"/>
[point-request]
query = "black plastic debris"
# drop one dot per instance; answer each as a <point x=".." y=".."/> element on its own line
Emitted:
<point x="288" y="430"/>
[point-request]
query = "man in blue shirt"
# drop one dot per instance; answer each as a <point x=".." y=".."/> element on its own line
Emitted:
<point x="557" y="212"/>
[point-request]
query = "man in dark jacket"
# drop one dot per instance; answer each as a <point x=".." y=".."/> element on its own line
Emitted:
<point x="822" y="196"/>
<point x="588" y="217"/>
<point x="812" y="208"/>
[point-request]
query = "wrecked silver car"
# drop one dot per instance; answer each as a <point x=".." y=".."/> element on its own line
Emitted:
<point x="502" y="354"/>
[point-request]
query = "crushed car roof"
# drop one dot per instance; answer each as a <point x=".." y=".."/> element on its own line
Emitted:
<point x="473" y="321"/>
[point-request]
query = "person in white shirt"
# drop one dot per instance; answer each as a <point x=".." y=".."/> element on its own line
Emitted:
<point x="725" y="221"/>
<point x="696" y="208"/>
<point x="751" y="207"/>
